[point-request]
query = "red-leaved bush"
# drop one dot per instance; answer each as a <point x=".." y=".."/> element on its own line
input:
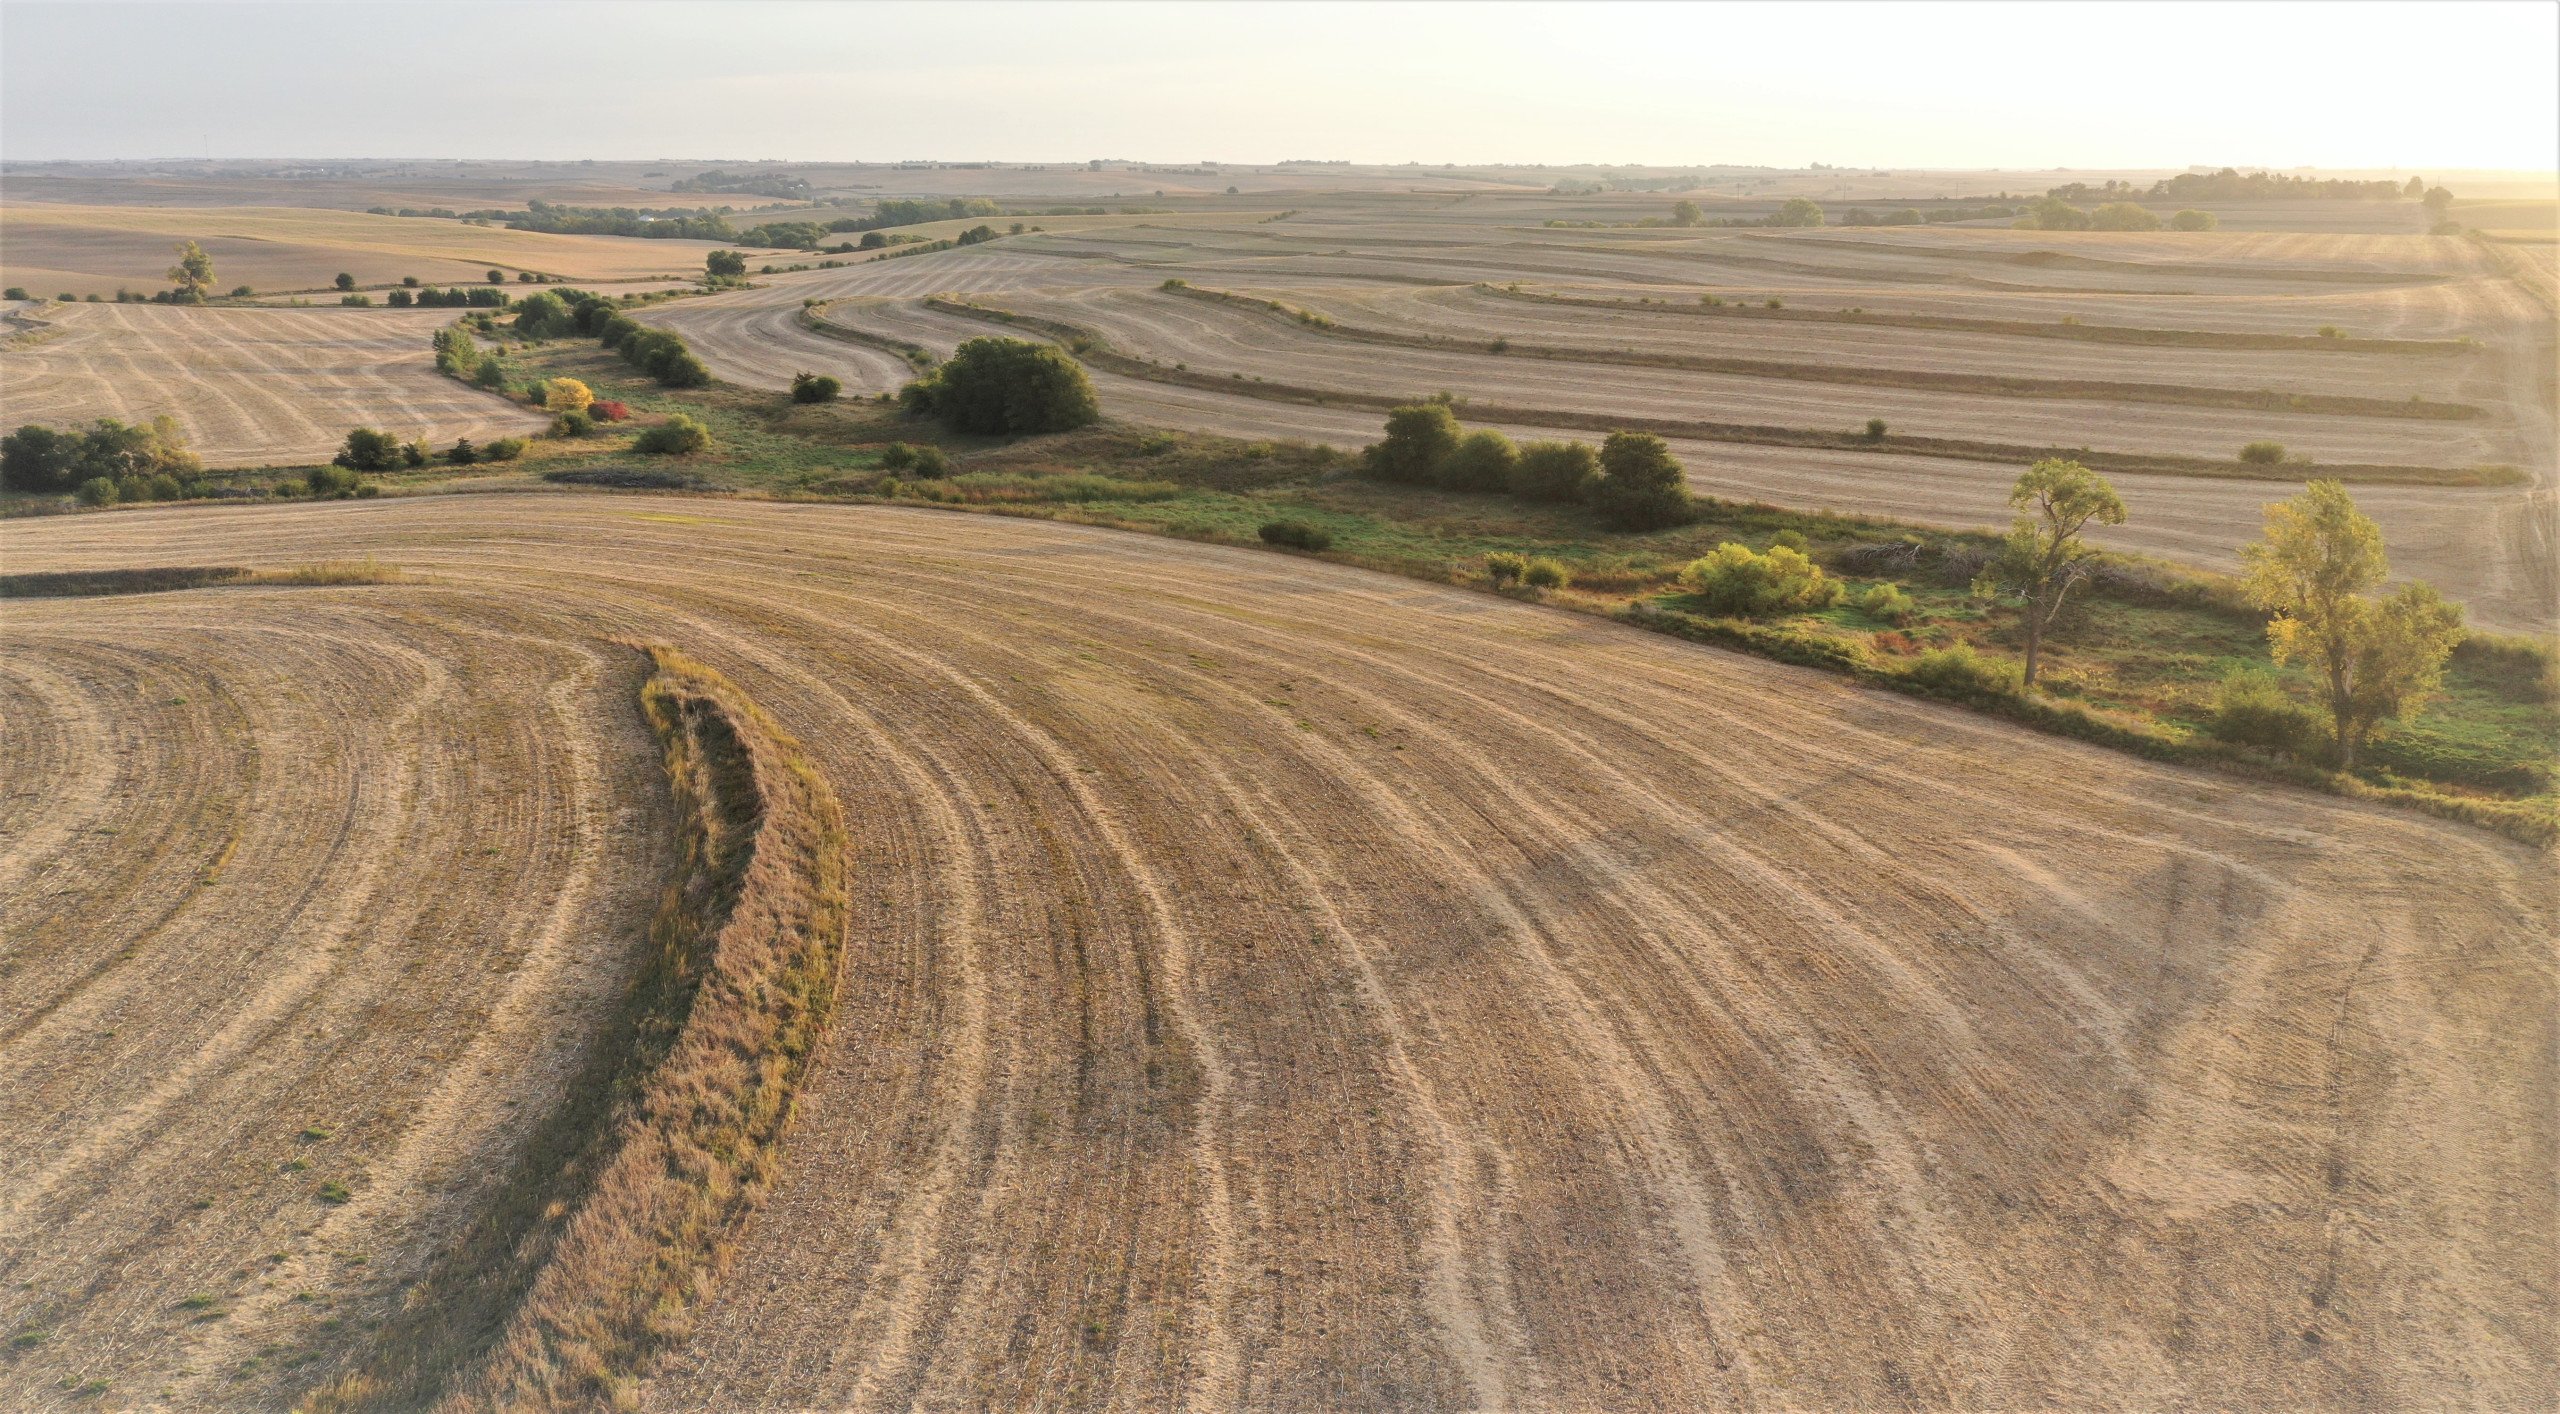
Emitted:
<point x="607" y="410"/>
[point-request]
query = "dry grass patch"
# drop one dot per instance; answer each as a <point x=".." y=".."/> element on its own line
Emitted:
<point x="610" y="1235"/>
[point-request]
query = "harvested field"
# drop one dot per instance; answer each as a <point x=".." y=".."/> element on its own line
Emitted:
<point x="1268" y="984"/>
<point x="250" y="387"/>
<point x="88" y="250"/>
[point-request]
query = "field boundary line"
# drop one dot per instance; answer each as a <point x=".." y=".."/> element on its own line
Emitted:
<point x="612" y="1230"/>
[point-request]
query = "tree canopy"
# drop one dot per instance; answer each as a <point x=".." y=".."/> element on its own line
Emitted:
<point x="1006" y="386"/>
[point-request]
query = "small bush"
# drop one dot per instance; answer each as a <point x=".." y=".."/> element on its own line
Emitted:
<point x="931" y="463"/>
<point x="2251" y="709"/>
<point x="505" y="449"/>
<point x="1732" y="580"/>
<point x="1546" y="573"/>
<point x="2262" y="453"/>
<point x="1505" y="568"/>
<point x="1295" y="534"/>
<point x="2332" y="331"/>
<point x="491" y="373"/>
<point x="678" y="436"/>
<point x="413" y="454"/>
<point x="1482" y="461"/>
<point x="331" y="482"/>
<point x="1961" y="672"/>
<point x="567" y="395"/>
<point x="1006" y="387"/>
<point x="462" y="453"/>
<point x="1792" y="539"/>
<point x="2194" y="220"/>
<point x="572" y="424"/>
<point x="1555" y="471"/>
<point x="814" y="388"/>
<point x="1886" y="603"/>
<point x="356" y="301"/>
<point x="1712" y="301"/>
<point x="1775" y="303"/>
<point x="1875" y="429"/>
<point x="96" y="491"/>
<point x="608" y="410"/>
<point x="897" y="456"/>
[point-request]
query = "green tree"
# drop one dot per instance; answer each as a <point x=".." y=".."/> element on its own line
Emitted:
<point x="2417" y="187"/>
<point x="2377" y="658"/>
<point x="1483" y="461"/>
<point x="2044" y="556"/>
<point x="1798" y="211"/>
<point x="1641" y="484"/>
<point x="1008" y="387"/>
<point x="35" y="458"/>
<point x="1555" y="471"/>
<point x="2123" y="216"/>
<point x="346" y="281"/>
<point x="2194" y="220"/>
<point x="725" y="264"/>
<point x="497" y="277"/>
<point x="1685" y="212"/>
<point x="193" y="274"/>
<point x="544" y="316"/>
<point x="2437" y="200"/>
<point x="369" y="450"/>
<point x="1419" y="438"/>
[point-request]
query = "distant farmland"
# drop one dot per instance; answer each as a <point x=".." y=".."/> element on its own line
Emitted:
<point x="83" y="250"/>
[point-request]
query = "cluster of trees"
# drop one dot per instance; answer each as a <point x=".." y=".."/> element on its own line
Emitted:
<point x="661" y="354"/>
<point x="1632" y="481"/>
<point x="105" y="462"/>
<point x="369" y="450"/>
<point x="2230" y="184"/>
<point x="2052" y="213"/>
<point x="1006" y="387"/>
<point x="459" y="297"/>
<point x="745" y="184"/>
<point x="699" y="223"/>
<point x="815" y="388"/>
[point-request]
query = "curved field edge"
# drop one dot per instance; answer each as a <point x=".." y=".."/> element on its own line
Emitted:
<point x="612" y="1229"/>
<point x="1089" y="346"/>
<point x="1859" y="375"/>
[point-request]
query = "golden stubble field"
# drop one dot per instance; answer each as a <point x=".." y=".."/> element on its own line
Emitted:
<point x="53" y="248"/>
<point x="248" y="386"/>
<point x="1268" y="984"/>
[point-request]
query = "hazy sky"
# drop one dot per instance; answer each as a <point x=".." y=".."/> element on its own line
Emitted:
<point x="2439" y="85"/>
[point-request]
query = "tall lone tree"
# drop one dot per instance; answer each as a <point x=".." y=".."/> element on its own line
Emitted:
<point x="724" y="264"/>
<point x="2045" y="556"/>
<point x="2379" y="658"/>
<point x="193" y="274"/>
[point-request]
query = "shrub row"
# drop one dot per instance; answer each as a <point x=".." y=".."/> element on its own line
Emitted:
<point x="1632" y="480"/>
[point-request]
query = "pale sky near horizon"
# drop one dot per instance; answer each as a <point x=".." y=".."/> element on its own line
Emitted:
<point x="2346" y="83"/>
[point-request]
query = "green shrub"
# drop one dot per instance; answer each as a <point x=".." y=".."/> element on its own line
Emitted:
<point x="1961" y="672"/>
<point x="1732" y="580"/>
<point x="678" y="436"/>
<point x="1886" y="603"/>
<point x="491" y="373"/>
<point x="2251" y="709"/>
<point x="2262" y="453"/>
<point x="505" y="449"/>
<point x="2332" y="331"/>
<point x="368" y="450"/>
<point x="931" y="463"/>
<point x="1555" y="471"/>
<point x="331" y="482"/>
<point x="462" y="453"/>
<point x="897" y="456"/>
<point x="1483" y="460"/>
<point x="1419" y="438"/>
<point x="1791" y="538"/>
<point x="1641" y="485"/>
<point x="162" y="488"/>
<point x="1006" y="387"/>
<point x="2194" y="220"/>
<point x="97" y="491"/>
<point x="1546" y="573"/>
<point x="1295" y="534"/>
<point x="413" y="454"/>
<point x="684" y="371"/>
<point x="2123" y="216"/>
<point x="814" y="388"/>
<point x="1505" y="568"/>
<point x="1875" y="429"/>
<point x="544" y="316"/>
<point x="572" y="424"/>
